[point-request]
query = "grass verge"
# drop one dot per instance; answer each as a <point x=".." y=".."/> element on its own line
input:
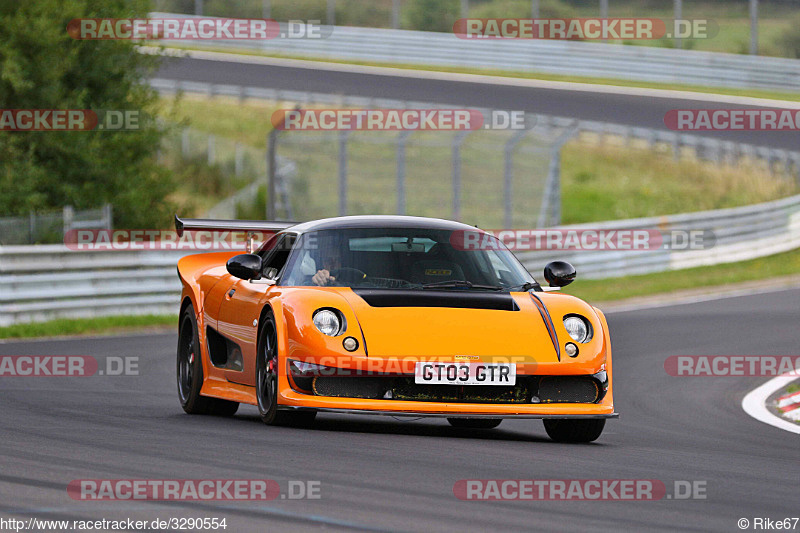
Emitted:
<point x="600" y="182"/>
<point x="86" y="326"/>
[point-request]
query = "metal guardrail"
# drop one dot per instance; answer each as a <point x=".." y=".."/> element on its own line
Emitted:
<point x="642" y="63"/>
<point x="45" y="282"/>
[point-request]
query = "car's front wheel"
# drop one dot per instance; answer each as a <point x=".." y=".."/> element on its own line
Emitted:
<point x="190" y="372"/>
<point x="581" y="430"/>
<point x="267" y="379"/>
<point x="475" y="423"/>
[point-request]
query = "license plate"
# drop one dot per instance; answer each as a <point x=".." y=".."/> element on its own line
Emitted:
<point x="465" y="373"/>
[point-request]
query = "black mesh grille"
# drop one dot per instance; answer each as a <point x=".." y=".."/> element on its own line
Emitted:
<point x="568" y="389"/>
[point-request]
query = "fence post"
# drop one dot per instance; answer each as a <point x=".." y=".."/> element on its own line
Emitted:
<point x="198" y="7"/>
<point x="331" y="18"/>
<point x="212" y="153"/>
<point x="68" y="214"/>
<point x="604" y="14"/>
<point x="108" y="216"/>
<point x="238" y="159"/>
<point x="266" y="9"/>
<point x="464" y="9"/>
<point x="32" y="227"/>
<point x="550" y="210"/>
<point x="395" y="14"/>
<point x="458" y="140"/>
<point x="678" y="16"/>
<point x="402" y="139"/>
<point x="185" y="143"/>
<point x="754" y="27"/>
<point x="508" y="174"/>
<point x="535" y="9"/>
<point x="343" y="135"/>
<point x="272" y="141"/>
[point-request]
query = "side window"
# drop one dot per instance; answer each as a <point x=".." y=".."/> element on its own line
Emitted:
<point x="276" y="257"/>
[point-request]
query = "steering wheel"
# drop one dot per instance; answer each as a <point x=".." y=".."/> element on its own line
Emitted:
<point x="348" y="276"/>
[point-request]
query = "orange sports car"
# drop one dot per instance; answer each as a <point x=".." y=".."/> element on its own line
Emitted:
<point x="388" y="315"/>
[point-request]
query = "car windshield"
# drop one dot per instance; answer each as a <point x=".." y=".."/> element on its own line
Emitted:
<point x="403" y="258"/>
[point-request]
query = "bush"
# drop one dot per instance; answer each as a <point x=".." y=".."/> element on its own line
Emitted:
<point x="789" y="41"/>
<point x="431" y="15"/>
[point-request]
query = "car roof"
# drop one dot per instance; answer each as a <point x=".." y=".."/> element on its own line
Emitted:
<point x="379" y="221"/>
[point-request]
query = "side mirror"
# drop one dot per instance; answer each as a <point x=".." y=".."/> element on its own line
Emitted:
<point x="559" y="273"/>
<point x="245" y="266"/>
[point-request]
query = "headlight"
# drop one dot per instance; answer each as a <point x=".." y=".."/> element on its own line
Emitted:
<point x="577" y="328"/>
<point x="327" y="322"/>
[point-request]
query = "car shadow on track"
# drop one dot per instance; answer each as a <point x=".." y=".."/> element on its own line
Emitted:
<point x="423" y="427"/>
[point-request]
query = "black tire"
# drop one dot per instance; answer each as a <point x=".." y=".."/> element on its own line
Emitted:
<point x="475" y="423"/>
<point x="267" y="365"/>
<point x="581" y="430"/>
<point x="189" y="370"/>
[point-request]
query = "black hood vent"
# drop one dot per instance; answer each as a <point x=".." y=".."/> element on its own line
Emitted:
<point x="461" y="299"/>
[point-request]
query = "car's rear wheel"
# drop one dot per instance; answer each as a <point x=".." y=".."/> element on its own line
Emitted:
<point x="475" y="423"/>
<point x="267" y="379"/>
<point x="190" y="372"/>
<point x="581" y="430"/>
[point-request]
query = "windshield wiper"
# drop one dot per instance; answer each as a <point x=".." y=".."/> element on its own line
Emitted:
<point x="459" y="283"/>
<point x="525" y="287"/>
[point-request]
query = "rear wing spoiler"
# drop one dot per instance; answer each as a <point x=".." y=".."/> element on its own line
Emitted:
<point x="250" y="226"/>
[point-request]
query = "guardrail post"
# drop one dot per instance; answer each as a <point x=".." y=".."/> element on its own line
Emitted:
<point x="198" y="7"/>
<point x="212" y="152"/>
<point x="272" y="142"/>
<point x="535" y="9"/>
<point x="464" y="9"/>
<point x="678" y="16"/>
<point x="402" y="139"/>
<point x="266" y="9"/>
<point x="343" y="137"/>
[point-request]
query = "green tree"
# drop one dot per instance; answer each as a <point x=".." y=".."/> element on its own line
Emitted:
<point x="42" y="67"/>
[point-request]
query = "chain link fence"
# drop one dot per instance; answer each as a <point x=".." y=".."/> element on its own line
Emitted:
<point x="491" y="178"/>
<point x="50" y="228"/>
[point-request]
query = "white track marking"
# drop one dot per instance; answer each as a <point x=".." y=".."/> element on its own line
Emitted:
<point x="754" y="403"/>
